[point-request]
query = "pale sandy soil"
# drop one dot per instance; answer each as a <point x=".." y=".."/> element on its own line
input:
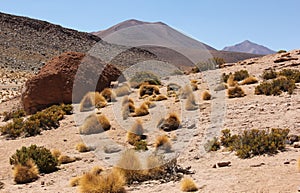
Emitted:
<point x="251" y="111"/>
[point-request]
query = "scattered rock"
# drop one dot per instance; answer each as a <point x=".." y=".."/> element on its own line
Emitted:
<point x="297" y="145"/>
<point x="257" y="165"/>
<point x="222" y="164"/>
<point x="293" y="139"/>
<point x="109" y="149"/>
<point x="1" y="185"/>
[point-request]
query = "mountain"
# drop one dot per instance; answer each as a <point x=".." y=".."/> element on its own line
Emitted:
<point x="249" y="47"/>
<point x="165" y="42"/>
<point x="27" y="43"/>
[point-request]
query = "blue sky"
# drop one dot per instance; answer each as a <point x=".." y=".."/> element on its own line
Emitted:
<point x="218" y="23"/>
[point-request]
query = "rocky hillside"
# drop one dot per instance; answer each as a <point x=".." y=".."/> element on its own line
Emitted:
<point x="28" y="43"/>
<point x="249" y="47"/>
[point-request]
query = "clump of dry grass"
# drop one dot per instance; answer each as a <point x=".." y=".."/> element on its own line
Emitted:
<point x="123" y="90"/>
<point x="159" y="97"/>
<point x="188" y="185"/>
<point x="109" y="95"/>
<point x="136" y="133"/>
<point x="75" y="181"/>
<point x="130" y="166"/>
<point x="185" y="91"/>
<point x="249" y="80"/>
<point x="25" y="173"/>
<point x="81" y="147"/>
<point x="112" y="181"/>
<point x="94" y="124"/>
<point x="97" y="170"/>
<point x="56" y="153"/>
<point x="230" y="81"/>
<point x="142" y="110"/>
<point x="146" y="89"/>
<point x="194" y="86"/>
<point x="154" y="166"/>
<point x="190" y="104"/>
<point x="206" y="95"/>
<point x="236" y="92"/>
<point x="65" y="159"/>
<point x="126" y="100"/>
<point x="91" y="100"/>
<point x="171" y="123"/>
<point x="150" y="104"/>
<point x="163" y="143"/>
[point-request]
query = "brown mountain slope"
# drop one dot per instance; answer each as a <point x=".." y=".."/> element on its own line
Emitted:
<point x="28" y="43"/>
<point x="166" y="42"/>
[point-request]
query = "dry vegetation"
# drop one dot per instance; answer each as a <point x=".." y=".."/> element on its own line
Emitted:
<point x="188" y="185"/>
<point x="94" y="124"/>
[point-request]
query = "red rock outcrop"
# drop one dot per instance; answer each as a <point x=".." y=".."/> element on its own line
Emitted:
<point x="66" y="79"/>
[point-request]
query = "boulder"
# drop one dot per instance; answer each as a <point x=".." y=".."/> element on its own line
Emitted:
<point x="66" y="79"/>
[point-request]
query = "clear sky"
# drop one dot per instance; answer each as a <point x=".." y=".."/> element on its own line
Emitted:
<point x="218" y="23"/>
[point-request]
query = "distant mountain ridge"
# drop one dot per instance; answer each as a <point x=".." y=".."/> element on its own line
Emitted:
<point x="249" y="47"/>
<point x="160" y="39"/>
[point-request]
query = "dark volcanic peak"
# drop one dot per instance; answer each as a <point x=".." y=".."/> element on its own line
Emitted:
<point x="249" y="47"/>
<point x="28" y="43"/>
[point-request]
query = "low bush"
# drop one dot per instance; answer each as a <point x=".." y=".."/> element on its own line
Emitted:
<point x="159" y="97"/>
<point x="188" y="185"/>
<point x="140" y="145"/>
<point x="109" y="95"/>
<point x="249" y="80"/>
<point x="136" y="133"/>
<point x="108" y="182"/>
<point x="171" y="123"/>
<point x="281" y="51"/>
<point x="291" y="74"/>
<point x="212" y="145"/>
<point x="141" y="111"/>
<point x="236" y="92"/>
<point x="130" y="167"/>
<point x="18" y="113"/>
<point x="269" y="74"/>
<point x="206" y="95"/>
<point x="276" y="87"/>
<point x="41" y="156"/>
<point x="148" y="90"/>
<point x="241" y="75"/>
<point x="94" y="124"/>
<point x="65" y="159"/>
<point x="81" y="147"/>
<point x="163" y="143"/>
<point x="255" y="142"/>
<point x="190" y="103"/>
<point x="43" y="120"/>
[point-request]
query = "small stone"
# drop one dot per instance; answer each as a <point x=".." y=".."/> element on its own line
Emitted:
<point x="192" y="126"/>
<point x="111" y="149"/>
<point x="297" y="145"/>
<point x="222" y="164"/>
<point x="42" y="183"/>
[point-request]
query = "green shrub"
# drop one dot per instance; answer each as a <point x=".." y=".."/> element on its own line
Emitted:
<point x="281" y="51"/>
<point x="269" y="74"/>
<point x="291" y="74"/>
<point x="276" y="87"/>
<point x="43" y="120"/>
<point x="141" y="145"/>
<point x="41" y="156"/>
<point x="13" y="129"/>
<point x="142" y="77"/>
<point x="14" y="114"/>
<point x="212" y="145"/>
<point x="241" y="75"/>
<point x="225" y="77"/>
<point x="255" y="142"/>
